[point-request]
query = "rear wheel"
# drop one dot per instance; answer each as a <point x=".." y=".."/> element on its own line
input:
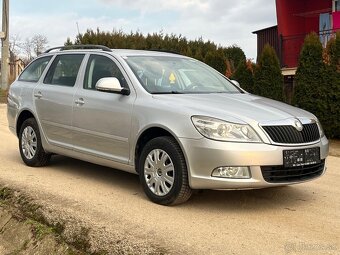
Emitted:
<point x="30" y="147"/>
<point x="163" y="172"/>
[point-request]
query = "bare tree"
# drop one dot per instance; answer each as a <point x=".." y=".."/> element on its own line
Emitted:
<point x="27" y="49"/>
<point x="31" y="47"/>
<point x="14" y="44"/>
<point x="14" y="48"/>
<point x="39" y="43"/>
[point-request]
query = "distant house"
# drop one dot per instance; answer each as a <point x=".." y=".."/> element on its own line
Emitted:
<point x="16" y="67"/>
<point x="296" y="19"/>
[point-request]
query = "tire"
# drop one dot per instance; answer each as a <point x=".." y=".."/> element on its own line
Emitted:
<point x="29" y="137"/>
<point x="165" y="181"/>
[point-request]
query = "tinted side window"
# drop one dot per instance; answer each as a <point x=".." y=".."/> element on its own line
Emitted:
<point x="100" y="67"/>
<point x="34" y="71"/>
<point x="64" y="70"/>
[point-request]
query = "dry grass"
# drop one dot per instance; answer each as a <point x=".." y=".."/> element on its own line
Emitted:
<point x="3" y="96"/>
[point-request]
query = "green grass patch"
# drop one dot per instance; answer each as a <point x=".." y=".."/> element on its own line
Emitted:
<point x="5" y="193"/>
<point x="40" y="230"/>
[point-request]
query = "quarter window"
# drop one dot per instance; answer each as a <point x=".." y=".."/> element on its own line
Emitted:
<point x="34" y="71"/>
<point x="64" y="70"/>
<point x="100" y="67"/>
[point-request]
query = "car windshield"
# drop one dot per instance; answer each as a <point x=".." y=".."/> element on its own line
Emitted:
<point x="175" y="75"/>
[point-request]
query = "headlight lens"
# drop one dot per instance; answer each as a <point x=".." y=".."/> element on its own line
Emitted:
<point x="224" y="131"/>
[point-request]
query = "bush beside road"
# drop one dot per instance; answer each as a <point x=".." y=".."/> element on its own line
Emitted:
<point x="107" y="208"/>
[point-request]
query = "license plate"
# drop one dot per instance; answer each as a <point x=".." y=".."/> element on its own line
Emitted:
<point x="301" y="157"/>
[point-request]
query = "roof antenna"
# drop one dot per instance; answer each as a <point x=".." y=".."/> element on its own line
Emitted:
<point x="78" y="28"/>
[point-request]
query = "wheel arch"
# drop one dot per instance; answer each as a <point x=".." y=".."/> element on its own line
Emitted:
<point x="150" y="133"/>
<point x="23" y="115"/>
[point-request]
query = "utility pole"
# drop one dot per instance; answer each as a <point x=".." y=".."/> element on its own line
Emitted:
<point x="4" y="35"/>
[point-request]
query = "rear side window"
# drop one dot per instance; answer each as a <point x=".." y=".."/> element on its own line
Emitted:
<point x="34" y="71"/>
<point x="64" y="70"/>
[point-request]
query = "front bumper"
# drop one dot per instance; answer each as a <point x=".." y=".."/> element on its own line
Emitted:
<point x="204" y="155"/>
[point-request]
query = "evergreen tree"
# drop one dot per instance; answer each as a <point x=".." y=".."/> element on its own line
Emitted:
<point x="331" y="80"/>
<point x="334" y="52"/>
<point x="216" y="60"/>
<point x="318" y="82"/>
<point x="310" y="93"/>
<point x="198" y="55"/>
<point x="234" y="54"/>
<point x="309" y="75"/>
<point x="199" y="49"/>
<point x="244" y="76"/>
<point x="268" y="79"/>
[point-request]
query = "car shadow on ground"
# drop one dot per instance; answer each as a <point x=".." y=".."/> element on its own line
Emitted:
<point x="287" y="197"/>
<point x="104" y="175"/>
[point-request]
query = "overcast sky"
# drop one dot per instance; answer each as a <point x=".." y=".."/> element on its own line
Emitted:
<point x="225" y="22"/>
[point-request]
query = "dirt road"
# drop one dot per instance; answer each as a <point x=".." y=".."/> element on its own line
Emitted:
<point x="300" y="219"/>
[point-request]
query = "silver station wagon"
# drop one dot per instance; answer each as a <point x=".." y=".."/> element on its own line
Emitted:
<point x="177" y="123"/>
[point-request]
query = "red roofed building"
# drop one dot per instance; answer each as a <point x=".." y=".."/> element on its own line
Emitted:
<point x="296" y="19"/>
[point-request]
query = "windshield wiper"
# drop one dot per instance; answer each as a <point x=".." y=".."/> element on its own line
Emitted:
<point x="167" y="92"/>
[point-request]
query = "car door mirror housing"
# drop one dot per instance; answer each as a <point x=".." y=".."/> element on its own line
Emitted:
<point x="111" y="84"/>
<point x="236" y="83"/>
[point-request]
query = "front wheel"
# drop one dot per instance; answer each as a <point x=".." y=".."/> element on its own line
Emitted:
<point x="31" y="150"/>
<point x="163" y="172"/>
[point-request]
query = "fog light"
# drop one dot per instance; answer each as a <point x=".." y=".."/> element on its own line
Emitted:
<point x="237" y="172"/>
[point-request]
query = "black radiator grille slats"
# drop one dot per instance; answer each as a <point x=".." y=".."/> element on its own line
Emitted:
<point x="288" y="134"/>
<point x="277" y="174"/>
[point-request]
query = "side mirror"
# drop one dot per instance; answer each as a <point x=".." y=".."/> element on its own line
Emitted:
<point x="111" y="84"/>
<point x="236" y="83"/>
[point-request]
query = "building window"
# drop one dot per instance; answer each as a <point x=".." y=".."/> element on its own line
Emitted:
<point x="336" y="5"/>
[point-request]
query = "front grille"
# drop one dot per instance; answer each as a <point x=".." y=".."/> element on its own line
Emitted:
<point x="277" y="174"/>
<point x="289" y="134"/>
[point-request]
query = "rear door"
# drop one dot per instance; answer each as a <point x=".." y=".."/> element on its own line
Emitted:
<point x="102" y="120"/>
<point x="54" y="98"/>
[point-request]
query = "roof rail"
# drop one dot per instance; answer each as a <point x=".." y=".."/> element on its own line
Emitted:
<point x="79" y="46"/>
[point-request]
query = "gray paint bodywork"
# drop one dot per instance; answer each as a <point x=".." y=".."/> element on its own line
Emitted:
<point x="105" y="129"/>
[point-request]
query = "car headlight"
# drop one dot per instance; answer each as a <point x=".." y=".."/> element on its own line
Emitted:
<point x="224" y="131"/>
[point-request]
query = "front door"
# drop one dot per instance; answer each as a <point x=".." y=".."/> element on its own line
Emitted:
<point x="54" y="99"/>
<point x="101" y="120"/>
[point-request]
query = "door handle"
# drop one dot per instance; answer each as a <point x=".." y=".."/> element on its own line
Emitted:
<point x="80" y="101"/>
<point x="38" y="94"/>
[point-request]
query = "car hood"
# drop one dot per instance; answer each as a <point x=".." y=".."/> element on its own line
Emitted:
<point x="233" y="107"/>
